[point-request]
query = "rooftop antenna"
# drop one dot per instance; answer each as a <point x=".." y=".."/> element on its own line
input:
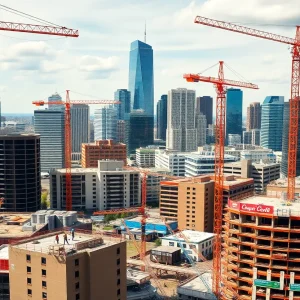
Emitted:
<point x="145" y="34"/>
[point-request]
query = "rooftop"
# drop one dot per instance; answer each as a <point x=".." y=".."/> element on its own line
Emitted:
<point x="197" y="284"/>
<point x="277" y="206"/>
<point x="134" y="275"/>
<point x="78" y="170"/>
<point x="168" y="249"/>
<point x="81" y="241"/>
<point x="283" y="182"/>
<point x="193" y="236"/>
<point x="150" y="221"/>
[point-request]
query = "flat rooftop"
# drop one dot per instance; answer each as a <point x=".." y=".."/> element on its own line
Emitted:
<point x="137" y="276"/>
<point x="77" y="170"/>
<point x="149" y="221"/>
<point x="197" y="284"/>
<point x="193" y="236"/>
<point x="81" y="242"/>
<point x="279" y="207"/>
<point x="168" y="249"/>
<point x="283" y="182"/>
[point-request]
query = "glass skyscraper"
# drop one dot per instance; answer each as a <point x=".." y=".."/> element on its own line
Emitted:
<point x="205" y="106"/>
<point x="272" y="123"/>
<point x="105" y="123"/>
<point x="123" y="108"/>
<point x="141" y="77"/>
<point x="161" y="117"/>
<point x="234" y="112"/>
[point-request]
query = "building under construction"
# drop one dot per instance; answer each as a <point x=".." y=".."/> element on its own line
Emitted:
<point x="261" y="256"/>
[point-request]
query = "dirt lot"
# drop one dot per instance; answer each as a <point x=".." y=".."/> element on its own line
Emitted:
<point x="131" y="249"/>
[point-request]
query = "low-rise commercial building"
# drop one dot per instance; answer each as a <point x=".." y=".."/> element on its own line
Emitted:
<point x="258" y="155"/>
<point x="107" y="187"/>
<point x="88" y="267"/>
<point x="101" y="150"/>
<point x="198" y="242"/>
<point x="145" y="157"/>
<point x="278" y="188"/>
<point x="262" y="173"/>
<point x="170" y="160"/>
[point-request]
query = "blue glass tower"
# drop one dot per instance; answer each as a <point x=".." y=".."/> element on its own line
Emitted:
<point x="161" y="115"/>
<point x="141" y="77"/>
<point x="272" y="123"/>
<point x="234" y="112"/>
<point x="124" y="107"/>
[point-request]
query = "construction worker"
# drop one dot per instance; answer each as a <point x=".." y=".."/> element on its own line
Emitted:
<point x="57" y="239"/>
<point x="73" y="233"/>
<point x="66" y="238"/>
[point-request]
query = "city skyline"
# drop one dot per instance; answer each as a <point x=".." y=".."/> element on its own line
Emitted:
<point x="96" y="62"/>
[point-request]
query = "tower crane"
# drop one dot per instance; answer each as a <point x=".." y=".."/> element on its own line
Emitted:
<point x="68" y="145"/>
<point x="295" y="85"/>
<point x="220" y="85"/>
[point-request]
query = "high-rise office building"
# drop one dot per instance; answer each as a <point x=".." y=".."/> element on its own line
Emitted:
<point x="123" y="108"/>
<point x="105" y="123"/>
<point x="55" y="98"/>
<point x="50" y="125"/>
<point x="140" y="133"/>
<point x="161" y="117"/>
<point x="272" y="123"/>
<point x="141" y="77"/>
<point x="234" y="112"/>
<point x="205" y="106"/>
<point x="201" y="129"/>
<point x="253" y="116"/>
<point x="285" y="142"/>
<point x="20" y="173"/>
<point x="181" y="129"/>
<point x="80" y="121"/>
<point x="247" y="137"/>
<point x="122" y="134"/>
<point x="87" y="267"/>
<point x="256" y="137"/>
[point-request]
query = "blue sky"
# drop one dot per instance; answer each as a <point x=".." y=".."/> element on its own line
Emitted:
<point x="32" y="67"/>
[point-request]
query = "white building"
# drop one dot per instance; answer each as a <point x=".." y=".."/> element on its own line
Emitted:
<point x="107" y="187"/>
<point x="255" y="137"/>
<point x="203" y="163"/>
<point x="201" y="129"/>
<point x="234" y="139"/>
<point x="174" y="162"/>
<point x="181" y="130"/>
<point x="199" y="242"/>
<point x="259" y="154"/>
<point x="105" y="123"/>
<point x="145" y="157"/>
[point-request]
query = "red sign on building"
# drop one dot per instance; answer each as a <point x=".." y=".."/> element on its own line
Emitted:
<point x="255" y="208"/>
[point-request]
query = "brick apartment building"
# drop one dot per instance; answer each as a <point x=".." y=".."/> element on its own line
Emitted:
<point x="102" y="150"/>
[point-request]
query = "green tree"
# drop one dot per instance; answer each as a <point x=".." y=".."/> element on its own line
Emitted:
<point x="157" y="242"/>
<point x="44" y="200"/>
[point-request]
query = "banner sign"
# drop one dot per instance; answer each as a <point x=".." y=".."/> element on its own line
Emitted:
<point x="254" y="208"/>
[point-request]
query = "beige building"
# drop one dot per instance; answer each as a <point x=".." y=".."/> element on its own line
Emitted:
<point x="278" y="188"/>
<point x="195" y="210"/>
<point x="86" y="268"/>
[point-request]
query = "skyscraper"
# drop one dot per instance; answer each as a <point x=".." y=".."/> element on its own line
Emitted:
<point x="105" y="123"/>
<point x="20" y="173"/>
<point x="205" y="106"/>
<point x="50" y="125"/>
<point x="253" y="116"/>
<point x="140" y="133"/>
<point x="123" y="108"/>
<point x="234" y="112"/>
<point x="285" y="142"/>
<point x="272" y="122"/>
<point x="201" y="129"/>
<point x="55" y="98"/>
<point x="181" y="130"/>
<point x="141" y="77"/>
<point x="161" y="111"/>
<point x="80" y="121"/>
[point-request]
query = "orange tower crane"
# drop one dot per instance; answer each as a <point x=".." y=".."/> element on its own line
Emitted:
<point x="141" y="209"/>
<point x="68" y="139"/>
<point x="295" y="85"/>
<point x="220" y="85"/>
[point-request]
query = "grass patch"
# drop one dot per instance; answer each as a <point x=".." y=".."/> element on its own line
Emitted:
<point x="108" y="227"/>
<point x="131" y="249"/>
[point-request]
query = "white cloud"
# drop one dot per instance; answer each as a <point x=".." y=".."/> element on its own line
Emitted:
<point x="2" y="88"/>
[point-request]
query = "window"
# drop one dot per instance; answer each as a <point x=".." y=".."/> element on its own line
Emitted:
<point x="77" y="296"/>
<point x="171" y="243"/>
<point x="44" y="284"/>
<point x="118" y="250"/>
<point x="29" y="281"/>
<point x="44" y="295"/>
<point x="76" y="262"/>
<point x="29" y="292"/>
<point x="44" y="273"/>
<point x="119" y="292"/>
<point x="118" y="261"/>
<point x="28" y="258"/>
<point x="77" y="285"/>
<point x="76" y="274"/>
<point x="28" y="269"/>
<point x="118" y="272"/>
<point x="119" y="281"/>
<point x="43" y="260"/>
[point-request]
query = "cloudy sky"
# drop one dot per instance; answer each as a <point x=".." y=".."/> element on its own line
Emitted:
<point x="32" y="67"/>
